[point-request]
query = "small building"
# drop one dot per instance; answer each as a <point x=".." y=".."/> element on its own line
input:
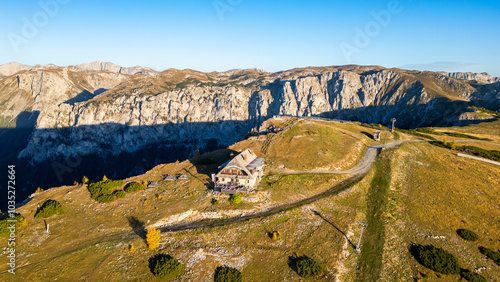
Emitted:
<point x="376" y="136"/>
<point x="153" y="185"/>
<point x="183" y="177"/>
<point x="239" y="175"/>
<point x="170" y="178"/>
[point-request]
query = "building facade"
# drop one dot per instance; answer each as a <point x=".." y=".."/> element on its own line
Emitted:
<point x="239" y="175"/>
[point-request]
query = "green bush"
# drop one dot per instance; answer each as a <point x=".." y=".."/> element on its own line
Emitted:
<point x="235" y="199"/>
<point x="467" y="235"/>
<point x="471" y="276"/>
<point x="307" y="267"/>
<point x="228" y="275"/>
<point x="106" y="198"/>
<point x="133" y="187"/>
<point x="437" y="259"/>
<point x="4" y="224"/>
<point x="495" y="256"/>
<point x="120" y="194"/>
<point x="167" y="267"/>
<point x="100" y="188"/>
<point x="49" y="208"/>
<point x="215" y="202"/>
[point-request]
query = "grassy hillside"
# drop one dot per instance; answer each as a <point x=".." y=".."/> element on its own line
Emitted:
<point x="415" y="194"/>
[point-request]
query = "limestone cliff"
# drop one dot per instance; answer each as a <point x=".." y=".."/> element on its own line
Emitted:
<point x="225" y="106"/>
<point x="100" y="108"/>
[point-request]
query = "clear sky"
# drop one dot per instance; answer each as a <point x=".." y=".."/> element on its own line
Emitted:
<point x="273" y="35"/>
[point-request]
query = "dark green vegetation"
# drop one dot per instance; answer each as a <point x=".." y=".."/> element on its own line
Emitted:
<point x="370" y="261"/>
<point x="214" y="202"/>
<point x="4" y="223"/>
<point x="104" y="187"/>
<point x="235" y="199"/>
<point x="436" y="259"/>
<point x="225" y="274"/>
<point x="308" y="267"/>
<point x="471" y="276"/>
<point x="165" y="267"/>
<point x="495" y="114"/>
<point x="472" y="150"/>
<point x="424" y="133"/>
<point x="133" y="187"/>
<point x="106" y="198"/>
<point x="495" y="256"/>
<point x="467" y="235"/>
<point x="120" y="194"/>
<point x="49" y="208"/>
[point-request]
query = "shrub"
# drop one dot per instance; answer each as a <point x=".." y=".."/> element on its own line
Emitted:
<point x="215" y="202"/>
<point x="225" y="274"/>
<point x="235" y="199"/>
<point x="49" y="208"/>
<point x="467" y="235"/>
<point x="133" y="187"/>
<point x="437" y="259"/>
<point x="495" y="256"/>
<point x="103" y="187"/>
<point x="167" y="267"/>
<point x="307" y="267"/>
<point x="106" y="199"/>
<point x="153" y="238"/>
<point x="471" y="276"/>
<point x="120" y="194"/>
<point x="4" y="224"/>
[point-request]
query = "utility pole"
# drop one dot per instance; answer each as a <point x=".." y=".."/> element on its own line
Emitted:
<point x="393" y="122"/>
<point x="363" y="226"/>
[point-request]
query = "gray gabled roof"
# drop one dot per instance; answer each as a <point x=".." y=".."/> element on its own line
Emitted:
<point x="245" y="161"/>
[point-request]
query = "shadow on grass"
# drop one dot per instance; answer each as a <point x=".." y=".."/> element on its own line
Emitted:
<point x="369" y="135"/>
<point x="334" y="226"/>
<point x="292" y="262"/>
<point x="137" y="226"/>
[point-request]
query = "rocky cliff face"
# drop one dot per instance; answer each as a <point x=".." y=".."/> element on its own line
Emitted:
<point x="225" y="113"/>
<point x="483" y="78"/>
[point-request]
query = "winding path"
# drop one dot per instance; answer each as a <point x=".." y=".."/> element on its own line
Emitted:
<point x="358" y="172"/>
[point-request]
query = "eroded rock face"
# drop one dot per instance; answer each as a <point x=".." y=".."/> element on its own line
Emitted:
<point x="478" y="77"/>
<point x="75" y="118"/>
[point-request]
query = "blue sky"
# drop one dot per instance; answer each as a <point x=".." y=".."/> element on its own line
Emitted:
<point x="275" y="35"/>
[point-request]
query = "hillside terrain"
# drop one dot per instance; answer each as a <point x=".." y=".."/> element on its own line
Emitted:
<point x="416" y="193"/>
<point x="66" y="122"/>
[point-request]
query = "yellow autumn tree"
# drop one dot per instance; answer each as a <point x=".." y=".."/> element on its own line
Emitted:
<point x="153" y="238"/>
<point x="104" y="178"/>
<point x="276" y="235"/>
<point x="85" y="180"/>
<point x="453" y="145"/>
<point x="131" y="248"/>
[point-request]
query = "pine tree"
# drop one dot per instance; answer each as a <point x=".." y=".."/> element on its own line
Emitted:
<point x="153" y="238"/>
<point x="131" y="248"/>
<point x="104" y="178"/>
<point x="85" y="180"/>
<point x="445" y="143"/>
